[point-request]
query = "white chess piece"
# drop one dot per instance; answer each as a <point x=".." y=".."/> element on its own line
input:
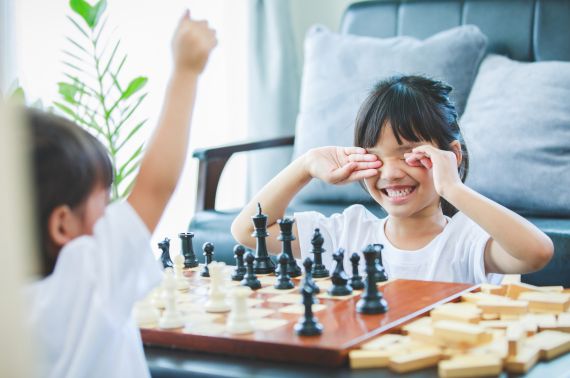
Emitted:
<point x="217" y="296"/>
<point x="181" y="281"/>
<point x="145" y="314"/>
<point x="238" y="320"/>
<point x="171" y="317"/>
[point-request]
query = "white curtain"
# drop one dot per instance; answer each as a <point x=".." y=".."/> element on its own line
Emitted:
<point x="278" y="30"/>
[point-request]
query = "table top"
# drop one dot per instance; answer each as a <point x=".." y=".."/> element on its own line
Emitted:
<point x="167" y="363"/>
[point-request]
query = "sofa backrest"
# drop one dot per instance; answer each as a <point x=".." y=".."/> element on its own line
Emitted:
<point x="525" y="30"/>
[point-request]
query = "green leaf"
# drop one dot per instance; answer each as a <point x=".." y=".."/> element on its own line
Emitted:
<point x="68" y="91"/>
<point x="128" y="189"/>
<point x="111" y="58"/>
<point x="134" y="86"/>
<point x="18" y="96"/>
<point x="130" y="113"/>
<point x="133" y="131"/>
<point x="130" y="160"/>
<point x="91" y="14"/>
<point x="81" y="30"/>
<point x="67" y="110"/>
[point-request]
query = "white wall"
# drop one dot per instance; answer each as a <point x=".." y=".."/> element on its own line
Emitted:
<point x="145" y="28"/>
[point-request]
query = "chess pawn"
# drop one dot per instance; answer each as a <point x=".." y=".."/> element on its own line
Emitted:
<point x="217" y="296"/>
<point x="356" y="279"/>
<point x="339" y="278"/>
<point x="381" y="275"/>
<point x="286" y="237"/>
<point x="308" y="265"/>
<point x="157" y="297"/>
<point x="190" y="260"/>
<point x="145" y="314"/>
<point x="208" y="249"/>
<point x="263" y="263"/>
<point x="165" y="256"/>
<point x="240" y="270"/>
<point x="239" y="321"/>
<point x="250" y="279"/>
<point x="283" y="280"/>
<point x="181" y="281"/>
<point x="371" y="301"/>
<point x="308" y="325"/>
<point x="171" y="318"/>
<point x="319" y="270"/>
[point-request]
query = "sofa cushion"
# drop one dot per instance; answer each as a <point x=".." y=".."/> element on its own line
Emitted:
<point x="517" y="129"/>
<point x="340" y="70"/>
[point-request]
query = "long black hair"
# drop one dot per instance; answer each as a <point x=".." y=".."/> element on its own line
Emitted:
<point x="67" y="164"/>
<point x="417" y="109"/>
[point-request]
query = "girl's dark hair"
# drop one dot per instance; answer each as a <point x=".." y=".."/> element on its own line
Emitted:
<point x="67" y="164"/>
<point x="417" y="109"/>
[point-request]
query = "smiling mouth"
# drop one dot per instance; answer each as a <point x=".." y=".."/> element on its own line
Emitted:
<point x="398" y="194"/>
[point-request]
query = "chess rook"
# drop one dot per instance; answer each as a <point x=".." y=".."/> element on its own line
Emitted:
<point x="262" y="264"/>
<point x="319" y="270"/>
<point x="286" y="237"/>
<point x="190" y="260"/>
<point x="240" y="270"/>
<point x="339" y="277"/>
<point x="208" y="249"/>
<point x="165" y="256"/>
<point x="372" y="301"/>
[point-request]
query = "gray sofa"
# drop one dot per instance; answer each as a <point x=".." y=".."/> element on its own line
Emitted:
<point x="524" y="30"/>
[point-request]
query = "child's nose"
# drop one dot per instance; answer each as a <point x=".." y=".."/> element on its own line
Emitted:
<point x="391" y="170"/>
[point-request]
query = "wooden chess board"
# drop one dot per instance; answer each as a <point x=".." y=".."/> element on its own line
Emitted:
<point x="274" y="315"/>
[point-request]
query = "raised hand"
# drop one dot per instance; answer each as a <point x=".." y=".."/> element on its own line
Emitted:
<point x="443" y="163"/>
<point x="192" y="43"/>
<point x="341" y="165"/>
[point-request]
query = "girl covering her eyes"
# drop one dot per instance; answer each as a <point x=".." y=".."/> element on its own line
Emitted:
<point x="410" y="157"/>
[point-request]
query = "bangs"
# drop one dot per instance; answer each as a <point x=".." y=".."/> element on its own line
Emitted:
<point x="99" y="162"/>
<point x="411" y="114"/>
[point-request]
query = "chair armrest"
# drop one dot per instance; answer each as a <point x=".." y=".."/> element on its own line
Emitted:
<point x="213" y="160"/>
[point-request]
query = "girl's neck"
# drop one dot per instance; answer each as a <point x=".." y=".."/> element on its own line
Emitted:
<point x="412" y="233"/>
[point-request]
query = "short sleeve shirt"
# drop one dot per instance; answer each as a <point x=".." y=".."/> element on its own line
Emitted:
<point x="454" y="255"/>
<point x="81" y="314"/>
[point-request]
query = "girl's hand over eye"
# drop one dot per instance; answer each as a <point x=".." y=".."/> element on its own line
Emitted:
<point x="443" y="163"/>
<point x="341" y="165"/>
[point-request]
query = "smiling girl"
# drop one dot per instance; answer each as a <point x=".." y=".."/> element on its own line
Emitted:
<point x="411" y="158"/>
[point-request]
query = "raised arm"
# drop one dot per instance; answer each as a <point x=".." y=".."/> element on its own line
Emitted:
<point x="166" y="152"/>
<point x="333" y="165"/>
<point x="516" y="245"/>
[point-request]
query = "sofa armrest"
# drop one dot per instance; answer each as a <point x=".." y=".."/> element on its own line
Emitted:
<point x="213" y="160"/>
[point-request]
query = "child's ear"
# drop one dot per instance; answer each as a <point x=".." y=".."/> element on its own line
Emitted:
<point x="63" y="225"/>
<point x="456" y="149"/>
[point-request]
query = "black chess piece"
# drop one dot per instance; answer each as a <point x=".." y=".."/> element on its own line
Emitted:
<point x="240" y="270"/>
<point x="165" y="256"/>
<point x="286" y="237"/>
<point x="308" y="265"/>
<point x="339" y="277"/>
<point x="308" y="325"/>
<point x="319" y="270"/>
<point x="263" y="263"/>
<point x="372" y="301"/>
<point x="379" y="271"/>
<point x="208" y="249"/>
<point x="356" y="279"/>
<point x="190" y="260"/>
<point x="284" y="281"/>
<point x="250" y="279"/>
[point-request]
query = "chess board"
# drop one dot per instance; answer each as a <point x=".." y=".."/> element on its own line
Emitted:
<point x="274" y="314"/>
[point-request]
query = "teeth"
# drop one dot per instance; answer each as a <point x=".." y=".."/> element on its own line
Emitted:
<point x="399" y="193"/>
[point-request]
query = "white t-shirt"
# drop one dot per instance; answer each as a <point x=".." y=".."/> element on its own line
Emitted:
<point x="81" y="313"/>
<point x="455" y="255"/>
